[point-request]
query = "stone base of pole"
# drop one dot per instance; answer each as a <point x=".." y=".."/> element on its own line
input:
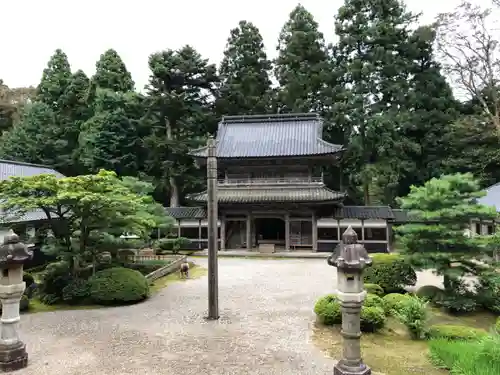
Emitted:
<point x="13" y="357"/>
<point x="342" y="369"/>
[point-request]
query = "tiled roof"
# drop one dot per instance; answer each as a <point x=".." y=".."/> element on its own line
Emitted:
<point x="277" y="194"/>
<point x="400" y="216"/>
<point x="186" y="212"/>
<point x="10" y="168"/>
<point x="270" y="136"/>
<point x="364" y="212"/>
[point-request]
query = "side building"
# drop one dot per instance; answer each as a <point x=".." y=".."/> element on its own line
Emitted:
<point x="271" y="192"/>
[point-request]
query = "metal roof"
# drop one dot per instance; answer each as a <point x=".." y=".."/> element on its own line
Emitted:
<point x="271" y="194"/>
<point x="279" y="135"/>
<point x="10" y="168"/>
<point x="364" y="212"/>
<point x="186" y="212"/>
<point x="492" y="197"/>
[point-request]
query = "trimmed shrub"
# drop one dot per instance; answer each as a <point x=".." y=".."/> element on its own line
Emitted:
<point x="77" y="291"/>
<point x="452" y="332"/>
<point x="488" y="291"/>
<point x="412" y="312"/>
<point x="391" y="272"/>
<point x="327" y="310"/>
<point x="55" y="277"/>
<point x="28" y="279"/>
<point x="373" y="300"/>
<point x="372" y="318"/>
<point x="117" y="286"/>
<point x="430" y="292"/>
<point x="173" y="245"/>
<point x="497" y="325"/>
<point x="24" y="304"/>
<point x="374" y="289"/>
<point x="393" y="302"/>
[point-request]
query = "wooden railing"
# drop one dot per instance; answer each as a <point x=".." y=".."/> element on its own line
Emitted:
<point x="271" y="181"/>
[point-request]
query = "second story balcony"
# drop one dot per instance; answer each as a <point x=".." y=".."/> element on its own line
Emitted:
<point x="271" y="181"/>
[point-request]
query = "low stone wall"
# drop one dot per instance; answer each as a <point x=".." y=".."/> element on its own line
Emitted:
<point x="168" y="269"/>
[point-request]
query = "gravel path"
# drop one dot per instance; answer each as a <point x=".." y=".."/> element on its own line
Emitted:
<point x="266" y="318"/>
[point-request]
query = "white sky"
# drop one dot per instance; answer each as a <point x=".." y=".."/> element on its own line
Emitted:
<point x="33" y="29"/>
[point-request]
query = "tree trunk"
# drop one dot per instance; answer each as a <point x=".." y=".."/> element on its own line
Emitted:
<point x="174" y="190"/>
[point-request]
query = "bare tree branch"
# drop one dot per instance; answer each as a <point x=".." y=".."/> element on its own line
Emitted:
<point x="469" y="53"/>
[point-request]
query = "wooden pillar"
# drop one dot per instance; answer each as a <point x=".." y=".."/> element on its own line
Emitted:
<point x="178" y="228"/>
<point x="223" y="233"/>
<point x="287" y="232"/>
<point x="249" y="231"/>
<point x="338" y="231"/>
<point x="199" y="234"/>
<point x="212" y="215"/>
<point x="314" y="232"/>
<point x="363" y="230"/>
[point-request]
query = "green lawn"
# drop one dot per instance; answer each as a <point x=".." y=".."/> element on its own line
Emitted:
<point x="391" y="351"/>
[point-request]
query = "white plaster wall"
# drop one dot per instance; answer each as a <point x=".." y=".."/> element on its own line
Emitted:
<point x="3" y="232"/>
<point x="332" y="223"/>
<point x="193" y="223"/>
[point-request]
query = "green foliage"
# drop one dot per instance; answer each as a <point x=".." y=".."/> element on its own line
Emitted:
<point x="91" y="210"/>
<point x="444" y="207"/>
<point x="28" y="279"/>
<point x="374" y="289"/>
<point x="116" y="286"/>
<point x="111" y="73"/>
<point x="172" y="244"/>
<point x="457" y="297"/>
<point x="393" y="302"/>
<point x="497" y="325"/>
<point x="391" y="272"/>
<point x="467" y="358"/>
<point x="24" y="304"/>
<point x="77" y="291"/>
<point x="54" y="279"/>
<point x="302" y="67"/>
<point x="430" y="292"/>
<point x="412" y="312"/>
<point x="372" y="300"/>
<point x="372" y="318"/>
<point x="488" y="291"/>
<point x="327" y="310"/>
<point x="244" y="74"/>
<point x="452" y="332"/>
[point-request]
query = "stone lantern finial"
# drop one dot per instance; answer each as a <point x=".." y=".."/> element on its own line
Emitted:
<point x="13" y="251"/>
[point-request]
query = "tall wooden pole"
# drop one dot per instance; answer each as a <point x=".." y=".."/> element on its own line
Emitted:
<point x="212" y="210"/>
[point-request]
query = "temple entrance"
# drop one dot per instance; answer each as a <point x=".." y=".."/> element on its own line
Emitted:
<point x="270" y="231"/>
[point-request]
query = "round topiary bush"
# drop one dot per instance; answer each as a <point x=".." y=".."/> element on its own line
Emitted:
<point x="430" y="292"/>
<point x="452" y="332"/>
<point x="118" y="286"/>
<point x="374" y="289"/>
<point x="327" y="310"/>
<point x="391" y="272"/>
<point x="77" y="291"/>
<point x="372" y="318"/>
<point x="373" y="300"/>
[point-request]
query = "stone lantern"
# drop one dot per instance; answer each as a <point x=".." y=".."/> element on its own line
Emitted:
<point x="350" y="258"/>
<point x="13" y="254"/>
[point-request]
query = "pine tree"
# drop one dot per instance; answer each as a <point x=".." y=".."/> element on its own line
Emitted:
<point x="244" y="74"/>
<point x="111" y="73"/>
<point x="55" y="79"/>
<point x="179" y="108"/>
<point x="373" y="35"/>
<point x="302" y="67"/>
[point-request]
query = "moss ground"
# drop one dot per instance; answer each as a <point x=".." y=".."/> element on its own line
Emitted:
<point x="391" y="352"/>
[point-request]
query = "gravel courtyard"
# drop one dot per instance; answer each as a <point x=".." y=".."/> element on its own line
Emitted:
<point x="265" y="327"/>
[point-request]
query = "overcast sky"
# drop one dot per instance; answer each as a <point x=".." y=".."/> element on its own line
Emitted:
<point x="33" y="29"/>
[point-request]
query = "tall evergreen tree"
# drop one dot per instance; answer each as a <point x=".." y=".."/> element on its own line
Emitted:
<point x="110" y="139"/>
<point x="111" y="73"/>
<point x="302" y="67"/>
<point x="55" y="79"/>
<point x="179" y="108"/>
<point x="373" y="35"/>
<point x="244" y="73"/>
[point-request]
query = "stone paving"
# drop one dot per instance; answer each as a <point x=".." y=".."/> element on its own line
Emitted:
<point x="265" y="327"/>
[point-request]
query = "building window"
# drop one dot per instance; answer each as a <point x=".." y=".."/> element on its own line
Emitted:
<point x="491" y="229"/>
<point x="330" y="234"/>
<point x="478" y="228"/>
